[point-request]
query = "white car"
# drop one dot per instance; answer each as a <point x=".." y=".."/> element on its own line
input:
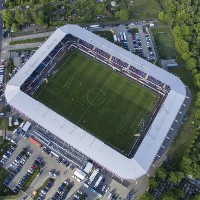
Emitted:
<point x="76" y="196"/>
<point x="43" y="192"/>
<point x="107" y="189"/>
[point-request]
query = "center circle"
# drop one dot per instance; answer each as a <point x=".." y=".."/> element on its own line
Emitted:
<point x="96" y="97"/>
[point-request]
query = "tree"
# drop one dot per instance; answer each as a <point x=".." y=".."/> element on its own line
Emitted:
<point x="8" y="17"/>
<point x="186" y="165"/>
<point x="191" y="63"/>
<point x="28" y="16"/>
<point x="194" y="71"/>
<point x="197" y="79"/>
<point x="198" y="99"/>
<point x="161" y="173"/>
<point x="162" y="16"/>
<point x="147" y="196"/>
<point x="177" y="194"/>
<point x="19" y="17"/>
<point x="122" y="14"/>
<point x="100" y="9"/>
<point x="197" y="197"/>
<point x="176" y="177"/>
<point x="153" y="184"/>
<point x="197" y="113"/>
<point x="15" y="27"/>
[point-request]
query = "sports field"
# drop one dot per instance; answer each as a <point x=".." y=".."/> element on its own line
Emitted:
<point x="98" y="99"/>
<point x="164" y="44"/>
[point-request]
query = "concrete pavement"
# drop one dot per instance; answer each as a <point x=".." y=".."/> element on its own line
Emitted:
<point x="25" y="46"/>
<point x="36" y="35"/>
<point x="5" y="54"/>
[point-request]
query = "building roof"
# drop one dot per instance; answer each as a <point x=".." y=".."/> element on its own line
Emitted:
<point x="88" y="168"/>
<point x="26" y="126"/>
<point x="80" y="174"/>
<point x="78" y="138"/>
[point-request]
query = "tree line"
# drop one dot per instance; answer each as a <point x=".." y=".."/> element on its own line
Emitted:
<point x="20" y="13"/>
<point x="184" y="17"/>
<point x="171" y="181"/>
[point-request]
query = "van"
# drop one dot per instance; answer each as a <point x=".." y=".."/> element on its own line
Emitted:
<point x="22" y="124"/>
<point x="14" y="131"/>
<point x="13" y="142"/>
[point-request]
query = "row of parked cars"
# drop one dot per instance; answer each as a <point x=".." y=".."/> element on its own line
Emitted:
<point x="149" y="46"/>
<point x="2" y="71"/>
<point x="21" y="159"/>
<point x="62" y="192"/>
<point x="8" y="179"/>
<point x="25" y="55"/>
<point x="43" y="192"/>
<point x="137" y="44"/>
<point x="7" y="155"/>
<point x="80" y="195"/>
<point x="26" y="177"/>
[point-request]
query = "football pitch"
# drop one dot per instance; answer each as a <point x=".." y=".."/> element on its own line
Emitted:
<point x="164" y="43"/>
<point x="103" y="102"/>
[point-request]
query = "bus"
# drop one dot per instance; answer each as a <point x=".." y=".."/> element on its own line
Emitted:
<point x="124" y="34"/>
<point x="94" y="26"/>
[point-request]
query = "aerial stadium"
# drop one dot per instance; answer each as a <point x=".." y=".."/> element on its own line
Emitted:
<point x="107" y="103"/>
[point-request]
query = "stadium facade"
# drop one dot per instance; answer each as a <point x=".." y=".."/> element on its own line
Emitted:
<point x="118" y="164"/>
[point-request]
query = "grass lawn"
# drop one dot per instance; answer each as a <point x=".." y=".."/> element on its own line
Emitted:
<point x="4" y="145"/>
<point x="187" y="130"/>
<point x="3" y="123"/>
<point x="164" y="43"/>
<point x="98" y="99"/>
<point x="145" y="9"/>
<point x="105" y="34"/>
<point x="33" y="40"/>
<point x="4" y="190"/>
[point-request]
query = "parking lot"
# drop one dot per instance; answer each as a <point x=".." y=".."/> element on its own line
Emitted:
<point x="20" y="58"/>
<point x="138" y="39"/>
<point x="21" y="164"/>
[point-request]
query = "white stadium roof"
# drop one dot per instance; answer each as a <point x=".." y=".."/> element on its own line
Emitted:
<point x="78" y="138"/>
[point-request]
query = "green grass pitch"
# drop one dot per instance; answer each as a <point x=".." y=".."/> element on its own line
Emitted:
<point x="164" y="45"/>
<point x="105" y="103"/>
